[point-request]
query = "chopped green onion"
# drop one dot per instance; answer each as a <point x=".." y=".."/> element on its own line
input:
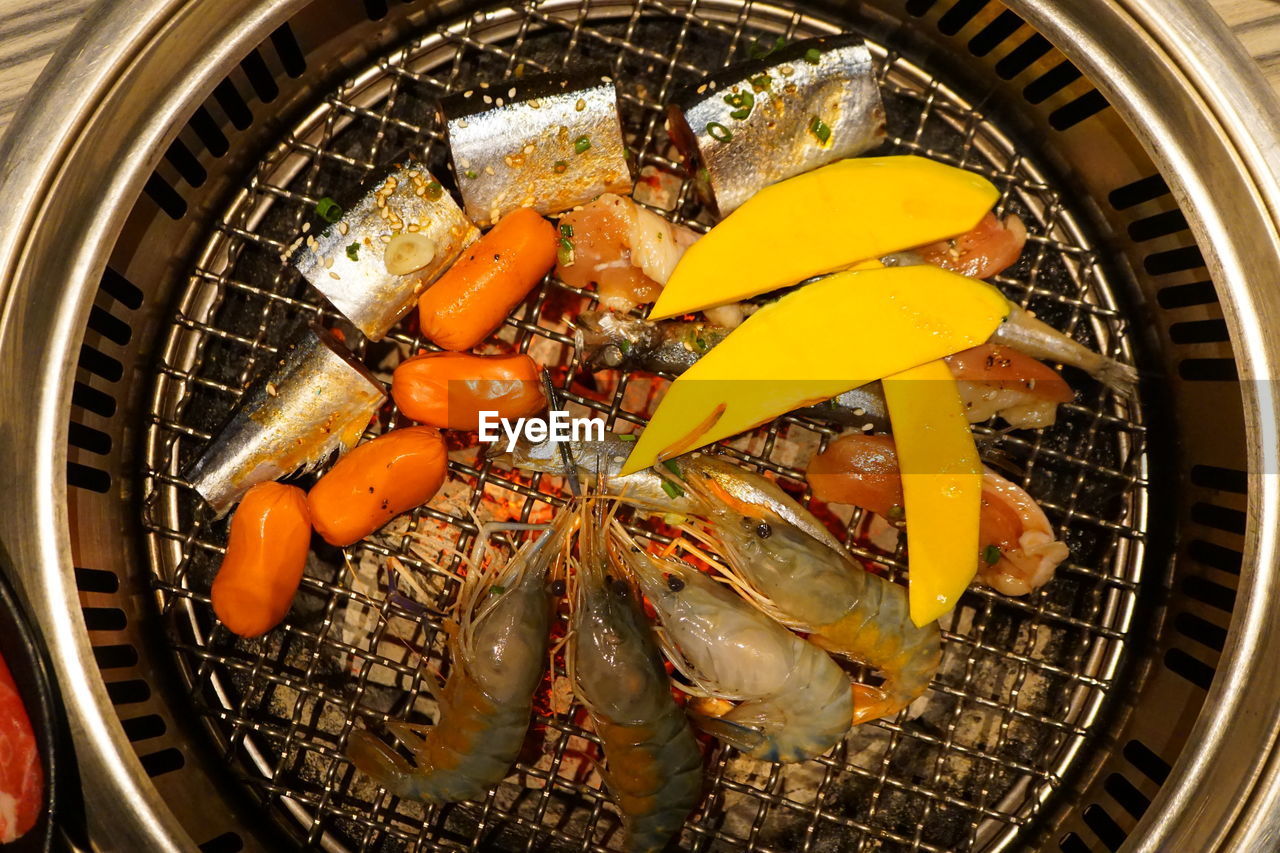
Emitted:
<point x="671" y="466"/>
<point x="762" y="82"/>
<point x="353" y="251"/>
<point x="701" y="344"/>
<point x="812" y="56"/>
<point x="564" y="254"/>
<point x="743" y="102"/>
<point x="328" y="210"/>
<point x="991" y="555"/>
<point x="434" y="191"/>
<point x="672" y="490"/>
<point x="625" y="346"/>
<point x="566" y="230"/>
<point x="897" y="513"/>
<point x="629" y="437"/>
<point x="560" y="167"/>
<point x="471" y="173"/>
<point x="719" y="132"/>
<point x="497" y="589"/>
<point x="582" y="143"/>
<point x="819" y="128"/>
<point x="757" y="51"/>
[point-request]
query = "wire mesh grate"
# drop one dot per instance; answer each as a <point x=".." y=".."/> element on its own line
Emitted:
<point x="968" y="767"/>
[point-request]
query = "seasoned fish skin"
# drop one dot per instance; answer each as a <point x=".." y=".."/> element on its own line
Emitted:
<point x="550" y="142"/>
<point x="406" y="200"/>
<point x="768" y="132"/>
<point x="314" y="398"/>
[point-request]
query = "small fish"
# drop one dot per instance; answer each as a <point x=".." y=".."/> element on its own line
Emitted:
<point x="596" y="462"/>
<point x="314" y="398"/>
<point x="755" y="123"/>
<point x="374" y="262"/>
<point x="608" y="340"/>
<point x="549" y="142"/>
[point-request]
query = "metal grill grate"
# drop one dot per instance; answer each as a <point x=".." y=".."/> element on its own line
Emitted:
<point x="1022" y="679"/>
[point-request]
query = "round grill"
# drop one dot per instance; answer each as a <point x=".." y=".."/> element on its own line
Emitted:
<point x="1023" y="681"/>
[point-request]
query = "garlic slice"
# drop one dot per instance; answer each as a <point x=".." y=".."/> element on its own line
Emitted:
<point x="408" y="252"/>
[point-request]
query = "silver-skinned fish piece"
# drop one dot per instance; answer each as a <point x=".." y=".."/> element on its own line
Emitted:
<point x="406" y="221"/>
<point x="549" y="142"/>
<point x="610" y="340"/>
<point x="755" y="123"/>
<point x="316" y="397"/>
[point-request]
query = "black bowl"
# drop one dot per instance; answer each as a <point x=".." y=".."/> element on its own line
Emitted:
<point x="25" y="653"/>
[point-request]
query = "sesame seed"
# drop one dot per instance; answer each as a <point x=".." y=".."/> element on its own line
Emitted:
<point x="488" y="100"/>
<point x="468" y="93"/>
<point x="335" y="276"/>
<point x="463" y="123"/>
<point x="488" y="170"/>
<point x="328" y="263"/>
<point x="581" y="105"/>
<point x="511" y="93"/>
<point x="306" y="226"/>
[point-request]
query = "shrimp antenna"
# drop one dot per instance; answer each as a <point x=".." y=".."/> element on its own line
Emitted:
<point x="556" y="403"/>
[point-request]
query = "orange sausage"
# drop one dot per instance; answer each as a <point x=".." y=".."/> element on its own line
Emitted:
<point x="266" y="553"/>
<point x="450" y="389"/>
<point x="493" y="277"/>
<point x="377" y="481"/>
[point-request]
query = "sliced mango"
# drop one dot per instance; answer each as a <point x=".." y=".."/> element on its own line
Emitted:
<point x="830" y="336"/>
<point x="941" y="486"/>
<point x="824" y="221"/>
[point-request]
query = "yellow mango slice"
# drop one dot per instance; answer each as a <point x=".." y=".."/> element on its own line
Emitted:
<point x="830" y="336"/>
<point x="824" y="221"/>
<point x="941" y="486"/>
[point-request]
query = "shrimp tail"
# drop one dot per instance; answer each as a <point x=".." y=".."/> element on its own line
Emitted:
<point x="1032" y="337"/>
<point x="656" y="776"/>
<point x="879" y="633"/>
<point x="380" y="762"/>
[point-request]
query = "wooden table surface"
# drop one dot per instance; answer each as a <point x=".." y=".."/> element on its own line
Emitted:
<point x="31" y="30"/>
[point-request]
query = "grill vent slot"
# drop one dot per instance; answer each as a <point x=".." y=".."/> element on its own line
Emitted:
<point x="1199" y="332"/>
<point x="1053" y="81"/>
<point x="144" y="727"/>
<point x="1219" y="517"/>
<point x="1083" y="107"/>
<point x="1127" y="795"/>
<point x="1104" y="826"/>
<point x="994" y="33"/>
<point x="1192" y="669"/>
<point x="1021" y="57"/>
<point x="164" y="761"/>
<point x="1201" y="630"/>
<point x="228" y="842"/>
<point x="1142" y="190"/>
<point x="957" y="16"/>
<point x="1146" y="761"/>
<point x="1208" y="370"/>
<point x="1187" y="295"/>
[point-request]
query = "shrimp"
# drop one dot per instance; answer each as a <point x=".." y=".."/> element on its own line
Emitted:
<point x="655" y="768"/>
<point x="498" y="656"/>
<point x="804" y="577"/>
<point x="793" y="701"/>
<point x="987" y="250"/>
<point x="628" y="252"/>
<point x="994" y="380"/>
<point x="862" y="470"/>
